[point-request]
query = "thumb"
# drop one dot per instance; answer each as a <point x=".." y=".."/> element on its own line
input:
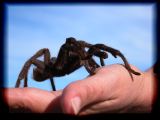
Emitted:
<point x="93" y="89"/>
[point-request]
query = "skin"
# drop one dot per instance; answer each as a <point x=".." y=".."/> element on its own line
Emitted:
<point x="110" y="90"/>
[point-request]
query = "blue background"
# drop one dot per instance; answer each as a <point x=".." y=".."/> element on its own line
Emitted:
<point x="128" y="28"/>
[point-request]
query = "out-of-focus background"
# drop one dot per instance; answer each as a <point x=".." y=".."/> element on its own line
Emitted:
<point x="128" y="28"/>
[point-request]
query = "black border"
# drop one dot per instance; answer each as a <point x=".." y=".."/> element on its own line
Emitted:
<point x="4" y="108"/>
<point x="156" y="106"/>
<point x="2" y="31"/>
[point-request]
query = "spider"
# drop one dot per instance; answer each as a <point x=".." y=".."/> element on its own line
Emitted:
<point x="72" y="55"/>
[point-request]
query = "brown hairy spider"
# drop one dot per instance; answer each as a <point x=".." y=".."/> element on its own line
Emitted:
<point x="72" y="55"/>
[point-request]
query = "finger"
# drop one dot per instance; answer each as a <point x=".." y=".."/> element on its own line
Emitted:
<point x="32" y="99"/>
<point x="93" y="89"/>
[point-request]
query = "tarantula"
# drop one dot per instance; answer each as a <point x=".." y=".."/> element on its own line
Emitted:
<point x="72" y="55"/>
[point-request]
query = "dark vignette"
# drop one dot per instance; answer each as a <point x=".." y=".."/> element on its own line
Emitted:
<point x="4" y="108"/>
<point x="156" y="106"/>
<point x="2" y="53"/>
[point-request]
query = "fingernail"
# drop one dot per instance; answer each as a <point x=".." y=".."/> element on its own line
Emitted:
<point x="76" y="102"/>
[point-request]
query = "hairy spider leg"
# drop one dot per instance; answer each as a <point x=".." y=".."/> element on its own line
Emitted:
<point x="116" y="53"/>
<point x="24" y="71"/>
<point x="25" y="81"/>
<point x="84" y="44"/>
<point x="102" y="61"/>
<point x="53" y="60"/>
<point x="53" y="84"/>
<point x="97" y="52"/>
<point x="94" y="51"/>
<point x="33" y="60"/>
<point x="86" y="60"/>
<point x="90" y="65"/>
<point x="40" y="67"/>
<point x="22" y="74"/>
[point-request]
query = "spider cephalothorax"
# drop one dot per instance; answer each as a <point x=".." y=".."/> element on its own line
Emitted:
<point x="72" y="55"/>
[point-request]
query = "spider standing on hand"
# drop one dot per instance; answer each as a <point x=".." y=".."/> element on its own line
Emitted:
<point x="72" y="55"/>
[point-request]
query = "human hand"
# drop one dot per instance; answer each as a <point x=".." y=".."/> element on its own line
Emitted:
<point x="111" y="89"/>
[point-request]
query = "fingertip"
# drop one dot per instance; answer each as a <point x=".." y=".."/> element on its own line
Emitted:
<point x="67" y="100"/>
<point x="75" y="96"/>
